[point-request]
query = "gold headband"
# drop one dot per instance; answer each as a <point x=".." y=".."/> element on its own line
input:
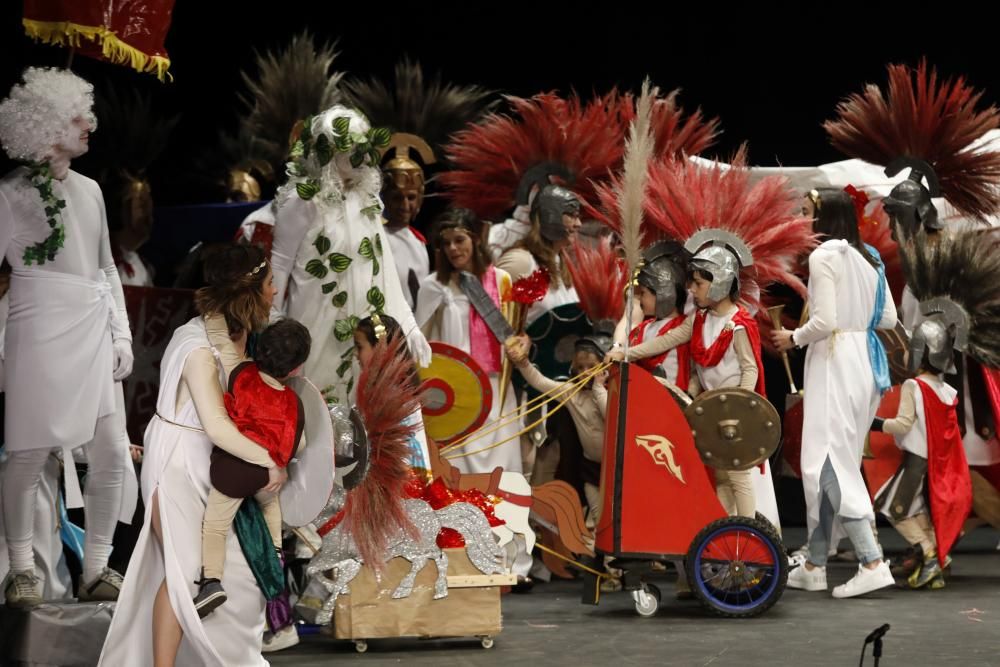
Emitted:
<point x="814" y="198"/>
<point x="257" y="269"/>
<point x="378" y="326"/>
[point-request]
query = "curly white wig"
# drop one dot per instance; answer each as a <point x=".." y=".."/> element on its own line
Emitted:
<point x="38" y="114"/>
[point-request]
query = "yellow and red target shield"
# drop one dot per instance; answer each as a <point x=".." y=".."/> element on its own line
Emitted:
<point x="457" y="394"/>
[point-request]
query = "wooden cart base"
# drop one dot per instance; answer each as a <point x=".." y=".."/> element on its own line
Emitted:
<point x="471" y="609"/>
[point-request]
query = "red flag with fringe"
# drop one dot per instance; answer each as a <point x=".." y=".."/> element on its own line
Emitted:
<point x="125" y="32"/>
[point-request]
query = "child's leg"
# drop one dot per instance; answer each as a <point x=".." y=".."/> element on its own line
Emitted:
<point x="929" y="544"/>
<point x="740" y="484"/>
<point x="270" y="507"/>
<point x="219" y="513"/>
<point x="725" y="492"/>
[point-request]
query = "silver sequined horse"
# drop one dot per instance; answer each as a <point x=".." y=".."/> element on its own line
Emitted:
<point x="339" y="557"/>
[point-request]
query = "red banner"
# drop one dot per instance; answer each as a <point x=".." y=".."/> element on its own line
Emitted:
<point x="126" y="32"/>
<point x="153" y="313"/>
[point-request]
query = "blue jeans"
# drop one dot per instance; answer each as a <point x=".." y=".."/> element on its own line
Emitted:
<point x="858" y="530"/>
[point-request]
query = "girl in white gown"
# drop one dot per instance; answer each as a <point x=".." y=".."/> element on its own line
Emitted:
<point x="445" y="314"/>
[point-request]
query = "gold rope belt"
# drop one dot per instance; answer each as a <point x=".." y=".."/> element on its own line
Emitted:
<point x="193" y="429"/>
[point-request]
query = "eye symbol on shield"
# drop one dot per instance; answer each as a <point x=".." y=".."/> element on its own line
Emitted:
<point x="662" y="451"/>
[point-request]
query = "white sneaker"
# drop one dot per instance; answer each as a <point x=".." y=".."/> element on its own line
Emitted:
<point x="807" y="580"/>
<point x="865" y="581"/>
<point x="286" y="637"/>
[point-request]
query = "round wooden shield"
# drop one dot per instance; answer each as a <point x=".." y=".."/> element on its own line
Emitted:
<point x="733" y="429"/>
<point x="458" y="396"/>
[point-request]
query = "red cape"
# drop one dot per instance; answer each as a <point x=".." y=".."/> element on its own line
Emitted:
<point x="949" y="486"/>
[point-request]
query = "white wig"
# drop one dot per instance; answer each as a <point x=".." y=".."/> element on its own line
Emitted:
<point x="38" y="114"/>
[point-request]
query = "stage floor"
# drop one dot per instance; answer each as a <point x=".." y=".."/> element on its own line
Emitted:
<point x="957" y="625"/>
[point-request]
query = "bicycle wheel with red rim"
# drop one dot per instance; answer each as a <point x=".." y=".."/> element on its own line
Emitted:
<point x="737" y="567"/>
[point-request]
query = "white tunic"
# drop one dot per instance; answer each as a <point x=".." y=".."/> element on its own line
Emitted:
<point x="840" y="398"/>
<point x="310" y="299"/>
<point x="504" y="236"/>
<point x="726" y="373"/>
<point x="140" y="274"/>
<point x="410" y="253"/>
<point x="175" y="467"/>
<point x="443" y="313"/>
<point x="669" y="363"/>
<point x="63" y="314"/>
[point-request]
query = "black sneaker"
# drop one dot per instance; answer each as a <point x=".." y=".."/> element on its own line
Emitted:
<point x="210" y="595"/>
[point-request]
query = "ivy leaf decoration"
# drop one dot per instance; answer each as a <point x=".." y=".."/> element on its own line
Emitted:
<point x="324" y="151"/>
<point x="307" y="190"/>
<point x="339" y="299"/>
<point x="376" y="299"/>
<point x="342" y="144"/>
<point x="357" y="159"/>
<point x="343" y="368"/>
<point x="298" y="150"/>
<point x="315" y="268"/>
<point x="339" y="262"/>
<point x="350" y="384"/>
<point x="378" y="244"/>
<point x="322" y="244"/>
<point x="328" y="287"/>
<point x="365" y="249"/>
<point x="371" y="212"/>
<point x="347" y="353"/>
<point x="375" y="267"/>
<point x="342" y="125"/>
<point x="342" y="330"/>
<point x="380" y="137"/>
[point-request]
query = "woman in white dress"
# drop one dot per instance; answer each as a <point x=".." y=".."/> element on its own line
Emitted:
<point x="155" y="622"/>
<point x="555" y="221"/>
<point x="445" y="314"/>
<point x="845" y="374"/>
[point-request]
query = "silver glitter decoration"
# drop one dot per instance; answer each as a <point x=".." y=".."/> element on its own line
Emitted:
<point x="338" y="556"/>
<point x="343" y="443"/>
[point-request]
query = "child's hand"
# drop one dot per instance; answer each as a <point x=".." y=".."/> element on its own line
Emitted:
<point x="135" y="451"/>
<point x="615" y="355"/>
<point x="517" y="348"/>
<point x="276" y="478"/>
<point x="601" y="379"/>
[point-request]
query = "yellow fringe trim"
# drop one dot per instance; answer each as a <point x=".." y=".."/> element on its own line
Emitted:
<point x="65" y="33"/>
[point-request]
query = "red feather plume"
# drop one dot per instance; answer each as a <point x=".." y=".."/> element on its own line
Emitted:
<point x="490" y="157"/>
<point x="387" y="396"/>
<point x="934" y="119"/>
<point x="599" y="277"/>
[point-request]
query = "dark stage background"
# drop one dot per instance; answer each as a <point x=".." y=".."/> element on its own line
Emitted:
<point x="772" y="72"/>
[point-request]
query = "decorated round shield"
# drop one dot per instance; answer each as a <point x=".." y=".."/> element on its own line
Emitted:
<point x="310" y="473"/>
<point x="733" y="429"/>
<point x="554" y="337"/>
<point x="458" y="396"/>
<point x="351" y="446"/>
